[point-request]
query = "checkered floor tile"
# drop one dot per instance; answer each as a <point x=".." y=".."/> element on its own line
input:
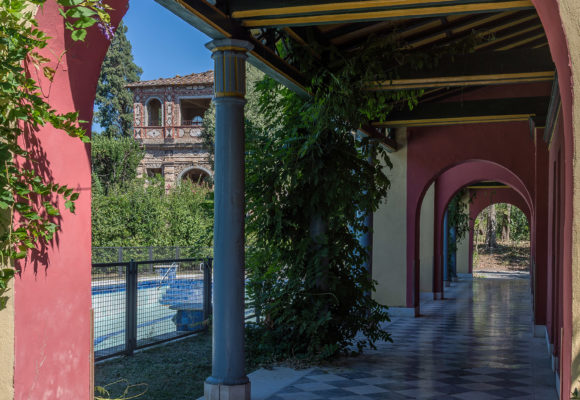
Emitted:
<point x="475" y="345"/>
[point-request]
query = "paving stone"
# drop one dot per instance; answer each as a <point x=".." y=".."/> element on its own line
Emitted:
<point x="457" y="350"/>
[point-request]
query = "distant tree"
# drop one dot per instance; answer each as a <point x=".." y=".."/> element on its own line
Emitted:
<point x="114" y="161"/>
<point x="114" y="102"/>
<point x="490" y="239"/>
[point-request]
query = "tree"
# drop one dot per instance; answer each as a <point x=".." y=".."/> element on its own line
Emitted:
<point x="143" y="214"/>
<point x="490" y="239"/>
<point x="114" y="102"/>
<point x="114" y="161"/>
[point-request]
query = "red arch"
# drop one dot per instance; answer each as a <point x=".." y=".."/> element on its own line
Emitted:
<point x="453" y="180"/>
<point x="433" y="150"/>
<point x="52" y="299"/>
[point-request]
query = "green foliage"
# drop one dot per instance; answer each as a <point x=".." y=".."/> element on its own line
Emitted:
<point x="114" y="102"/>
<point x="29" y="200"/>
<point x="309" y="186"/>
<point x="518" y="222"/>
<point x="457" y="217"/>
<point x="310" y="286"/>
<point x="519" y="226"/>
<point x="114" y="161"/>
<point x="141" y="213"/>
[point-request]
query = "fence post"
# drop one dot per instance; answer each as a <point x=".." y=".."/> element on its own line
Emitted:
<point x="207" y="288"/>
<point x="177" y="252"/>
<point x="131" y="304"/>
<point x="120" y="259"/>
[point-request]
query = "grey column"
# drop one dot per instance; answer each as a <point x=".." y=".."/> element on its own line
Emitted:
<point x="228" y="380"/>
<point x="367" y="238"/>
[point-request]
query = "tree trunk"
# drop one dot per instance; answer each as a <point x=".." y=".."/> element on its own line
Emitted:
<point x="490" y="239"/>
<point x="508" y="222"/>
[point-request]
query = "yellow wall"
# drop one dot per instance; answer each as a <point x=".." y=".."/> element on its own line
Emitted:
<point x="463" y="245"/>
<point x="426" y="237"/>
<point x="7" y="346"/>
<point x="390" y="232"/>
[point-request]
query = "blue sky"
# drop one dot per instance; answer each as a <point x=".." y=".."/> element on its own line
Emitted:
<point x="163" y="44"/>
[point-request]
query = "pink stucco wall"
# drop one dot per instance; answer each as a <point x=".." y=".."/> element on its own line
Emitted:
<point x="451" y="181"/>
<point x="431" y="151"/>
<point x="53" y="290"/>
<point x="549" y="12"/>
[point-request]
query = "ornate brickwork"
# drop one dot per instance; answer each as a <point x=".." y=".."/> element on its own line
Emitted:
<point x="174" y="147"/>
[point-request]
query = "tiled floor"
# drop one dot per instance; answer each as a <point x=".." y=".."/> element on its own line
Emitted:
<point x="476" y="345"/>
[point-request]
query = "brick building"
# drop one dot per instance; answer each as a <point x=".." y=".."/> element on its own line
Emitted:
<point x="168" y="115"/>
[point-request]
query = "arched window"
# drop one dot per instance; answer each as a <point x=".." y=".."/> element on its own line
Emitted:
<point x="154" y="113"/>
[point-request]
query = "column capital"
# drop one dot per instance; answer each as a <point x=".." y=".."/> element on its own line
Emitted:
<point x="235" y="45"/>
<point x="229" y="75"/>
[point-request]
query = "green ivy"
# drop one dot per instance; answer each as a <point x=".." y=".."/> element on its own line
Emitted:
<point x="457" y="217"/>
<point x="28" y="199"/>
<point x="310" y="184"/>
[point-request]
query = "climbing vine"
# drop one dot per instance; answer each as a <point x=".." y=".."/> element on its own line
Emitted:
<point x="457" y="218"/>
<point x="310" y="184"/>
<point x="29" y="198"/>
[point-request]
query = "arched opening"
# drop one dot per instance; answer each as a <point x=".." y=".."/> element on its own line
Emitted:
<point x="154" y="112"/>
<point x="501" y="240"/>
<point x="197" y="175"/>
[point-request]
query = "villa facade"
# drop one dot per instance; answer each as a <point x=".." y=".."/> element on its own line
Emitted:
<point x="168" y="115"/>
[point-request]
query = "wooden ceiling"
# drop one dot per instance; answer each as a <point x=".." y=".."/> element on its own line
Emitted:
<point x="516" y="49"/>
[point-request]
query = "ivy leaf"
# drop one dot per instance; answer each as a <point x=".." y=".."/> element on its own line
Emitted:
<point x="79" y="35"/>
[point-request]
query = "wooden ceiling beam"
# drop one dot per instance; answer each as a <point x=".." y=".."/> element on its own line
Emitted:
<point x="476" y="69"/>
<point x="468" y="112"/>
<point x="261" y="13"/>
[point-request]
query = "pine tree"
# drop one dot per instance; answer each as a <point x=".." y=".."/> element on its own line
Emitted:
<point x="114" y="102"/>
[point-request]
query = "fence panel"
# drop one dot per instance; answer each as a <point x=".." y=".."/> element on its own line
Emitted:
<point x="109" y="298"/>
<point x="138" y="304"/>
<point x="170" y="300"/>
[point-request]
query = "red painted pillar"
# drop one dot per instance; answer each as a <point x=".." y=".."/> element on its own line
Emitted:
<point x="472" y="217"/>
<point x="540" y="230"/>
<point x="438" y="243"/>
<point x="53" y="289"/>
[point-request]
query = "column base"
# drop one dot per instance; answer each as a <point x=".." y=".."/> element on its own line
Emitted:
<point x="539" y="331"/>
<point x="226" y="392"/>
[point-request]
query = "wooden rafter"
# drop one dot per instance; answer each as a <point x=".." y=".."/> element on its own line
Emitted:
<point x="341" y="12"/>
<point x="469" y="112"/>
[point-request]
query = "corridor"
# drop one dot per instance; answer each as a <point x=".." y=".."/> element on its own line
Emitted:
<point x="475" y="345"/>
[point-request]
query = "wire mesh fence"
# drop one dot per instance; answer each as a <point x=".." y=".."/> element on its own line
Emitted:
<point x="140" y="303"/>
<point x="147" y="253"/>
<point x="109" y="289"/>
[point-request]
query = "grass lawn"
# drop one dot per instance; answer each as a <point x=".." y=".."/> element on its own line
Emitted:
<point x="174" y="371"/>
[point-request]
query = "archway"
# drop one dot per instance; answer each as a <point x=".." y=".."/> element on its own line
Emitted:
<point x="197" y="175"/>
<point x="483" y="198"/>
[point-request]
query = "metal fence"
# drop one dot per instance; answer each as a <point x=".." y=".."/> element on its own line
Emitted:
<point x="147" y="253"/>
<point x="140" y="303"/>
